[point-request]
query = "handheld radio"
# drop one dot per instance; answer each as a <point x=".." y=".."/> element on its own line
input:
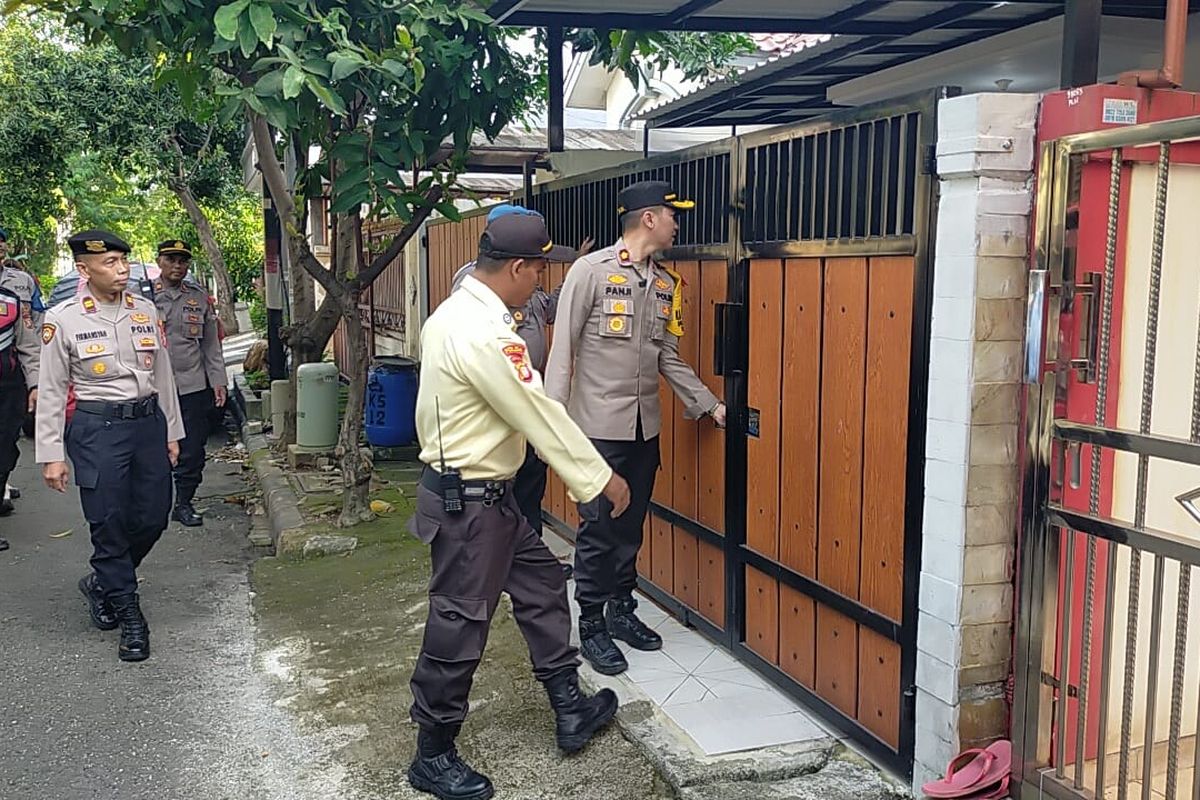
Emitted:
<point x="450" y="481"/>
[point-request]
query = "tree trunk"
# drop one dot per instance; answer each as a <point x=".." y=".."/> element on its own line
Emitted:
<point x="355" y="464"/>
<point x="225" y="296"/>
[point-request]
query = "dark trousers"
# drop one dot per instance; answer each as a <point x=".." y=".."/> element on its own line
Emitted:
<point x="605" y="548"/>
<point x="124" y="479"/>
<point x="14" y="401"/>
<point x="530" y="487"/>
<point x="477" y="555"/>
<point x="196" y="409"/>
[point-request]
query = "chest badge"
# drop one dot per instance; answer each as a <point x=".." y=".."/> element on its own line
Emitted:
<point x="191" y="303"/>
<point x="659" y="283"/>
<point x="193" y="330"/>
<point x="99" y="368"/>
<point x="616" y="324"/>
<point x="518" y="316"/>
<point x="140" y="318"/>
<point x="93" y="349"/>
<point x="148" y="360"/>
<point x="146" y="341"/>
<point x="618" y="279"/>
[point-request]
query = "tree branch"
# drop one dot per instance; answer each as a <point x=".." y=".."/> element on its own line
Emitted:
<point x="396" y="247"/>
<point x="271" y="169"/>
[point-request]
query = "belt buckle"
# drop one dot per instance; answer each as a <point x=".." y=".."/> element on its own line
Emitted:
<point x="490" y="494"/>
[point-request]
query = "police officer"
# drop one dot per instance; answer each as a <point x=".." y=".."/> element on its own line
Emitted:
<point x="198" y="364"/>
<point x="18" y="363"/>
<point x="619" y="322"/>
<point x="478" y="401"/>
<point x="123" y="438"/>
<point x="529" y="485"/>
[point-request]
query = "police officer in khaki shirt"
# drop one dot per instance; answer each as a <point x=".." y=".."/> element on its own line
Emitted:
<point x="618" y="328"/>
<point x="20" y="318"/>
<point x="478" y="401"/>
<point x="123" y="437"/>
<point x="198" y="365"/>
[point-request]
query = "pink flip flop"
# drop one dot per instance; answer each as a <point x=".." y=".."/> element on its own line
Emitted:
<point x="1000" y="766"/>
<point x="963" y="775"/>
<point x="999" y="792"/>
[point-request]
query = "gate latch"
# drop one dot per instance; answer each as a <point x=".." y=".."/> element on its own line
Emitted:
<point x="1090" y="288"/>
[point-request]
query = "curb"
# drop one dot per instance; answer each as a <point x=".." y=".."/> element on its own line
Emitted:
<point x="287" y="527"/>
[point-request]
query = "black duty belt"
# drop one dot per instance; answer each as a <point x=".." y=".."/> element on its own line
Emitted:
<point x="132" y="409"/>
<point x="487" y="492"/>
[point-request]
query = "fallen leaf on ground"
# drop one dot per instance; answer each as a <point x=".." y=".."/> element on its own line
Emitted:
<point x="382" y="507"/>
<point x="62" y="534"/>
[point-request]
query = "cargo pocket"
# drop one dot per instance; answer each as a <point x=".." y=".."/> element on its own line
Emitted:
<point x="457" y="628"/>
<point x="658" y="323"/>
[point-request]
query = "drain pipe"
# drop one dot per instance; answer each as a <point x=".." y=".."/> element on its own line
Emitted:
<point x="1170" y="75"/>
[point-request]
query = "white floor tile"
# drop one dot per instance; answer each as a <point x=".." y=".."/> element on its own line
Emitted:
<point x="660" y="690"/>
<point x="718" y="736"/>
<point x="641" y="673"/>
<point x="719" y="661"/>
<point x="689" y="656"/>
<point x="690" y="691"/>
<point x="739" y="675"/>
<point x="652" y="659"/>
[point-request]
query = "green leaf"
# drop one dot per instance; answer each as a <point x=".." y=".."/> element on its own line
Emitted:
<point x="351" y="200"/>
<point x="293" y="82"/>
<point x="247" y="38"/>
<point x="226" y="19"/>
<point x="449" y="211"/>
<point x="326" y="96"/>
<point x="263" y="20"/>
<point x="418" y="68"/>
<point x="345" y="65"/>
<point x="271" y="84"/>
<point x="403" y="37"/>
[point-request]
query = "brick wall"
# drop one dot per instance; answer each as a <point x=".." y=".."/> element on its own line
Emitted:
<point x="985" y="165"/>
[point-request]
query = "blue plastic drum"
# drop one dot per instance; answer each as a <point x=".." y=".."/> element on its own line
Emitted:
<point x="390" y="415"/>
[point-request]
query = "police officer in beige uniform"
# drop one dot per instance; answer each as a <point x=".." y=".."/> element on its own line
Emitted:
<point x="618" y="328"/>
<point x="20" y="319"/>
<point x="198" y="364"/>
<point x="123" y="437"/>
<point x="478" y="401"/>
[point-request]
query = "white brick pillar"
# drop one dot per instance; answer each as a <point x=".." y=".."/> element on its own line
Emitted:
<point x="985" y="156"/>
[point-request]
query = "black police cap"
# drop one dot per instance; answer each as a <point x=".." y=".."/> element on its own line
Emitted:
<point x="94" y="242"/>
<point x="175" y="247"/>
<point x="521" y="236"/>
<point x="650" y="194"/>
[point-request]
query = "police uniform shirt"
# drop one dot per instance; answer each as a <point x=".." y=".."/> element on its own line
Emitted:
<point x="531" y="320"/>
<point x="614" y="335"/>
<point x="113" y="353"/>
<point x="192" y="343"/>
<point x="17" y="293"/>
<point x="477" y="371"/>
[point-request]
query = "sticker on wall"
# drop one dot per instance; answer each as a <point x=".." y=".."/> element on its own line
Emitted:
<point x="1118" y="111"/>
<point x="752" y="422"/>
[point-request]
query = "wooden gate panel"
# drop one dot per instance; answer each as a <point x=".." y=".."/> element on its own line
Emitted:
<point x="710" y="511"/>
<point x="879" y="686"/>
<point x="837" y="660"/>
<point x="886" y="434"/>
<point x="762" y="451"/>
<point x="797" y="635"/>
<point x="800" y="448"/>
<point x="663" y="553"/>
<point x="762" y="614"/>
<point x="711" y="593"/>
<point x="842" y="387"/>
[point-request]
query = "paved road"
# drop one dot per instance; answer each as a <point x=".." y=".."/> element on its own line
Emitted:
<point x="196" y="721"/>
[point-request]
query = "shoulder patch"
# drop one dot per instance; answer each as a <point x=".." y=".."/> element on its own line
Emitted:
<point x="48" y="331"/>
<point x="516" y="353"/>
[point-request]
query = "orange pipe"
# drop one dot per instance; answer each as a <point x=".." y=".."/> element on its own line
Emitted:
<point x="1170" y="75"/>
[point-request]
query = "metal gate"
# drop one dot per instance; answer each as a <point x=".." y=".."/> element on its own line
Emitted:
<point x="1107" y="696"/>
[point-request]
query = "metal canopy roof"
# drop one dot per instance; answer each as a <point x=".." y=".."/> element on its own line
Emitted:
<point x="868" y="36"/>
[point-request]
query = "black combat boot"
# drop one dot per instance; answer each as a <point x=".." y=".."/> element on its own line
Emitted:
<point x="103" y="617"/>
<point x="3" y="544"/>
<point x="185" y="515"/>
<point x="597" y="646"/>
<point x="624" y="625"/>
<point x="578" y="717"/>
<point x="135" y="633"/>
<point x="440" y="771"/>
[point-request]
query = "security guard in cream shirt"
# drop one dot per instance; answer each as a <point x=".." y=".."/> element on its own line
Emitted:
<point x="618" y="328"/>
<point x="123" y="435"/>
<point x="478" y="401"/>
